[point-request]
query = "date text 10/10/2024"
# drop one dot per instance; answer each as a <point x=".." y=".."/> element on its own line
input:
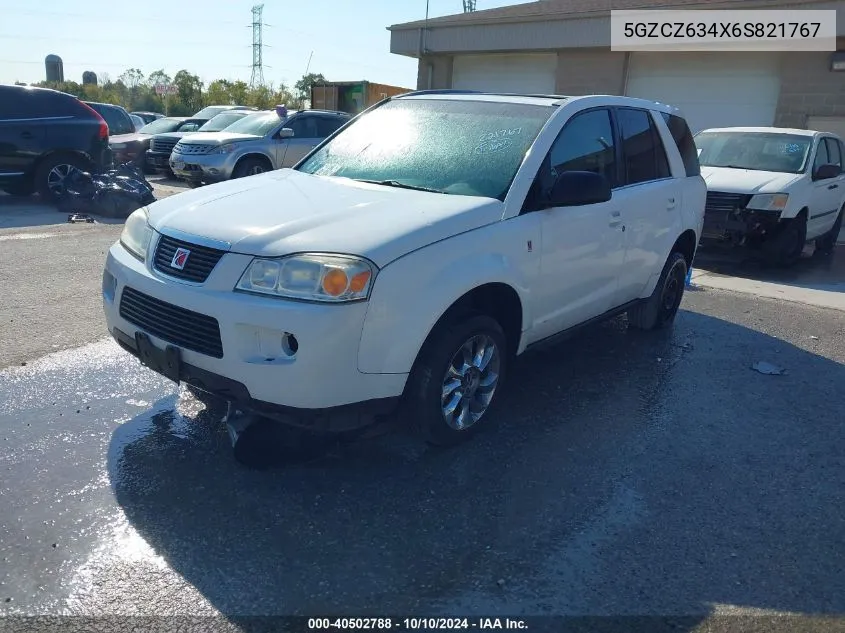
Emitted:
<point x="415" y="624"/>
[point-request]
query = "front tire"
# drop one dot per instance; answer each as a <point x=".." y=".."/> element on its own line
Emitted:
<point x="456" y="379"/>
<point x="250" y="167"/>
<point x="660" y="308"/>
<point x="785" y="248"/>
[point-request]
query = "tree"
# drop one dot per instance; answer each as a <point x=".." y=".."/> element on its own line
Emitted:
<point x="158" y="77"/>
<point x="218" y="93"/>
<point x="132" y="78"/>
<point x="303" y="86"/>
<point x="190" y="90"/>
<point x="238" y="91"/>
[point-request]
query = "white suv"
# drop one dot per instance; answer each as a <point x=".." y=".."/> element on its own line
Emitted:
<point x="412" y="255"/>
<point x="773" y="189"/>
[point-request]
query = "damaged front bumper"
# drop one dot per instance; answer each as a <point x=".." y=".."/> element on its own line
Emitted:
<point x="737" y="224"/>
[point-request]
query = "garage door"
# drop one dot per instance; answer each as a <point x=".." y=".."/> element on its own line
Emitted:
<point x="712" y="89"/>
<point x="522" y="74"/>
<point x="834" y="125"/>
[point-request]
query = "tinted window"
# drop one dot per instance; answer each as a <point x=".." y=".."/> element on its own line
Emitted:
<point x="821" y="155"/>
<point x="304" y="127"/>
<point x="833" y="152"/>
<point x="327" y="125"/>
<point x="584" y="144"/>
<point x="118" y="121"/>
<point x="13" y="103"/>
<point x="686" y="145"/>
<point x="644" y="157"/>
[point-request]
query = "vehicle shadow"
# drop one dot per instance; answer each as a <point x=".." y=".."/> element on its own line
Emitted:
<point x="813" y="271"/>
<point x="624" y="474"/>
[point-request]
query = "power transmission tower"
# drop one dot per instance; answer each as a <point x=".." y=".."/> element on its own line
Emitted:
<point x="257" y="47"/>
<point x="469" y="5"/>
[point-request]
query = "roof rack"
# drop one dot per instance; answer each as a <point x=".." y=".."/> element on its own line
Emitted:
<point x="444" y="91"/>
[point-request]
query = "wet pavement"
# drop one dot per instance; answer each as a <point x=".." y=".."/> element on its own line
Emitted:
<point x="623" y="474"/>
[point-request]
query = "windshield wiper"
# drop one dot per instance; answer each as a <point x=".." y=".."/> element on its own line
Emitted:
<point x="398" y="185"/>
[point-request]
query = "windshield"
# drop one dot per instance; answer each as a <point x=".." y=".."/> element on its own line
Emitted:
<point x="210" y="112"/>
<point x="470" y="148"/>
<point x="258" y="124"/>
<point x="761" y="151"/>
<point x="222" y="121"/>
<point x="160" y="126"/>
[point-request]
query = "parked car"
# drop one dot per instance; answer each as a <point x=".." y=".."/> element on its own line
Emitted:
<point x="148" y="117"/>
<point x="163" y="126"/>
<point x="124" y="141"/>
<point x="161" y="145"/>
<point x="411" y="256"/>
<point x="137" y="121"/>
<point x="44" y="135"/>
<point x="209" y="112"/>
<point x="257" y="143"/>
<point x="773" y="189"/>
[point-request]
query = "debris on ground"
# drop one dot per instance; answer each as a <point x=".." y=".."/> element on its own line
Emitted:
<point x="767" y="368"/>
<point x="814" y="338"/>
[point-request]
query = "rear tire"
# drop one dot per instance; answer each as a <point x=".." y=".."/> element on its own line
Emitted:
<point x="827" y="242"/>
<point x="660" y="308"/>
<point x="251" y="167"/>
<point x="456" y="379"/>
<point x="51" y="174"/>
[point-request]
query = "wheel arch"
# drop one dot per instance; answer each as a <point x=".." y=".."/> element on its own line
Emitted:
<point x="253" y="155"/>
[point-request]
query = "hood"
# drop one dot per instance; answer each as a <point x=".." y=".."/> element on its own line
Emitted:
<point x="172" y="136"/>
<point x="286" y="211"/>
<point x="126" y="138"/>
<point x="747" y="180"/>
<point x="219" y="138"/>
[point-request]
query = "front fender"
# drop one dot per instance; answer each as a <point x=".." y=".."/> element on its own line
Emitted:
<point x="412" y="293"/>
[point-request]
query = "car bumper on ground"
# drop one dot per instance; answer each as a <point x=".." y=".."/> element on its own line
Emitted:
<point x="313" y="383"/>
<point x="202" y="167"/>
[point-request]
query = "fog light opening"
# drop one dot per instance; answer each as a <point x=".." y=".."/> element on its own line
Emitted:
<point x="290" y="345"/>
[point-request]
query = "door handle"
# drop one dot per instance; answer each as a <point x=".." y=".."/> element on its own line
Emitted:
<point x="670" y="204"/>
<point x="615" y="223"/>
<point x="833" y="186"/>
<point x="26" y="134"/>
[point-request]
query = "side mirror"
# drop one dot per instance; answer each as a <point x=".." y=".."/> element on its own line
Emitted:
<point x="823" y="172"/>
<point x="285" y="132"/>
<point x="577" y="188"/>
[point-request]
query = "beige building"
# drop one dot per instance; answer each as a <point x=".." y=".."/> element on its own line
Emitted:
<point x="563" y="47"/>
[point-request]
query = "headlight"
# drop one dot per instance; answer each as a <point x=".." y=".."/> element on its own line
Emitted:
<point x="768" y="202"/>
<point x="137" y="234"/>
<point x="226" y="149"/>
<point x="310" y="277"/>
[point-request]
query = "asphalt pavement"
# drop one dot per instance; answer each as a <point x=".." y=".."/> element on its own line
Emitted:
<point x="624" y="474"/>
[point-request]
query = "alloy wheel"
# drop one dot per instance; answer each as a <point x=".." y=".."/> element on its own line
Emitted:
<point x="470" y="382"/>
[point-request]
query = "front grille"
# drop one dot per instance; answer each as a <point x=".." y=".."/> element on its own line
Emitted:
<point x="163" y="145"/>
<point x="199" y="265"/>
<point x="182" y="148"/>
<point x="185" y="328"/>
<point x="722" y="202"/>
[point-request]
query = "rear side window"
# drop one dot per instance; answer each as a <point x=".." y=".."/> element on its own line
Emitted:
<point x="118" y="122"/>
<point x="644" y="157"/>
<point x="683" y="139"/>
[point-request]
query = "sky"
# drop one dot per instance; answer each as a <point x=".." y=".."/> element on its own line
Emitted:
<point x="349" y="40"/>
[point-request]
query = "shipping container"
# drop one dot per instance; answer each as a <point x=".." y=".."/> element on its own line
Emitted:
<point x="351" y="96"/>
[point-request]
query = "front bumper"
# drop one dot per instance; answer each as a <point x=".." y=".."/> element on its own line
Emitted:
<point x="319" y="386"/>
<point x="159" y="161"/>
<point x="739" y="225"/>
<point x="203" y="167"/>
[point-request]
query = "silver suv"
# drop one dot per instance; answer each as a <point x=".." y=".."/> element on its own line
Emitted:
<point x="260" y="142"/>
